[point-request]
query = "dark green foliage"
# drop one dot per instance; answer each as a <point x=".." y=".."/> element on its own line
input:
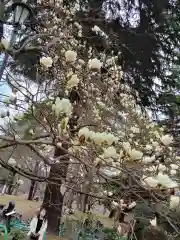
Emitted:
<point x="111" y="234"/>
<point x="147" y="37"/>
<point x="146" y="34"/>
<point x="18" y="234"/>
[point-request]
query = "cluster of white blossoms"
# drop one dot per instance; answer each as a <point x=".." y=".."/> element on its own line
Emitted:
<point x="5" y="43"/>
<point x="20" y="182"/>
<point x="95" y="64"/>
<point x="120" y="133"/>
<point x="62" y="107"/>
<point x="70" y="56"/>
<point x="46" y="61"/>
<point x="73" y="81"/>
<point x="98" y="138"/>
<point x="135" y="139"/>
<point x="12" y="162"/>
<point x="161" y="179"/>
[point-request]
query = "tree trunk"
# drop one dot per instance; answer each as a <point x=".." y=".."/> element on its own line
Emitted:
<point x="78" y="201"/>
<point x="31" y="190"/>
<point x="10" y="182"/>
<point x="84" y="203"/>
<point x="71" y="198"/>
<point x="35" y="189"/>
<point x="53" y="199"/>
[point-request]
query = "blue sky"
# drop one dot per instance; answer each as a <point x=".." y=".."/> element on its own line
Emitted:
<point x="4" y="88"/>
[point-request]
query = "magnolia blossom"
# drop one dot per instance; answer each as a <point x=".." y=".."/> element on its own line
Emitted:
<point x="126" y="146"/>
<point x="165" y="180"/>
<point x="98" y="138"/>
<point x="174" y="202"/>
<point x="148" y="147"/>
<point x="62" y="106"/>
<point x="162" y="167"/>
<point x="148" y="159"/>
<point x="95" y="64"/>
<point x="110" y="152"/>
<point x="154" y="222"/>
<point x="132" y="205"/>
<point x="173" y="172"/>
<point x="31" y="131"/>
<point x="110" y="194"/>
<point x="20" y="181"/>
<point x="166" y="139"/>
<point x="12" y="162"/>
<point x="135" y="154"/>
<point x="70" y="56"/>
<point x="73" y="82"/>
<point x="110" y="138"/>
<point x="115" y="204"/>
<point x="96" y="29"/>
<point x="85" y="132"/>
<point x="46" y="61"/>
<point x="135" y="129"/>
<point x="174" y="166"/>
<point x="155" y="144"/>
<point x="150" y="181"/>
<point x="81" y="62"/>
<point x="5" y="43"/>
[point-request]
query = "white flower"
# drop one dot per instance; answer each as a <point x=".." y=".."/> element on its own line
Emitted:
<point x="166" y="139"/>
<point x="165" y="180"/>
<point x="173" y="172"/>
<point x="5" y="43"/>
<point x="155" y="144"/>
<point x="162" y="167"/>
<point x="94" y="64"/>
<point x="148" y="147"/>
<point x="121" y="201"/>
<point x="20" y="181"/>
<point x="110" y="194"/>
<point x="70" y="56"/>
<point x="132" y="205"/>
<point x="31" y="131"/>
<point x="114" y="204"/>
<point x="73" y="82"/>
<point x="110" y="152"/>
<point x="62" y="106"/>
<point x="135" y="154"/>
<point x="147" y="159"/>
<point x="11" y="162"/>
<point x="110" y="138"/>
<point x="174" y="201"/>
<point x="174" y="166"/>
<point x="177" y="158"/>
<point x="135" y="129"/>
<point x="150" y="181"/>
<point x="126" y="146"/>
<point x="154" y="222"/>
<point x="81" y="62"/>
<point x="85" y="132"/>
<point x="98" y="138"/>
<point x="46" y="61"/>
<point x="96" y="29"/>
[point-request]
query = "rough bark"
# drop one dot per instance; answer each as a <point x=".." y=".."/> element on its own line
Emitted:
<point x="31" y="190"/>
<point x="53" y="199"/>
<point x="10" y="183"/>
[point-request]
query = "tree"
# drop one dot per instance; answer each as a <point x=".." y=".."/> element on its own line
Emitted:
<point x="78" y="113"/>
<point x="145" y="33"/>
